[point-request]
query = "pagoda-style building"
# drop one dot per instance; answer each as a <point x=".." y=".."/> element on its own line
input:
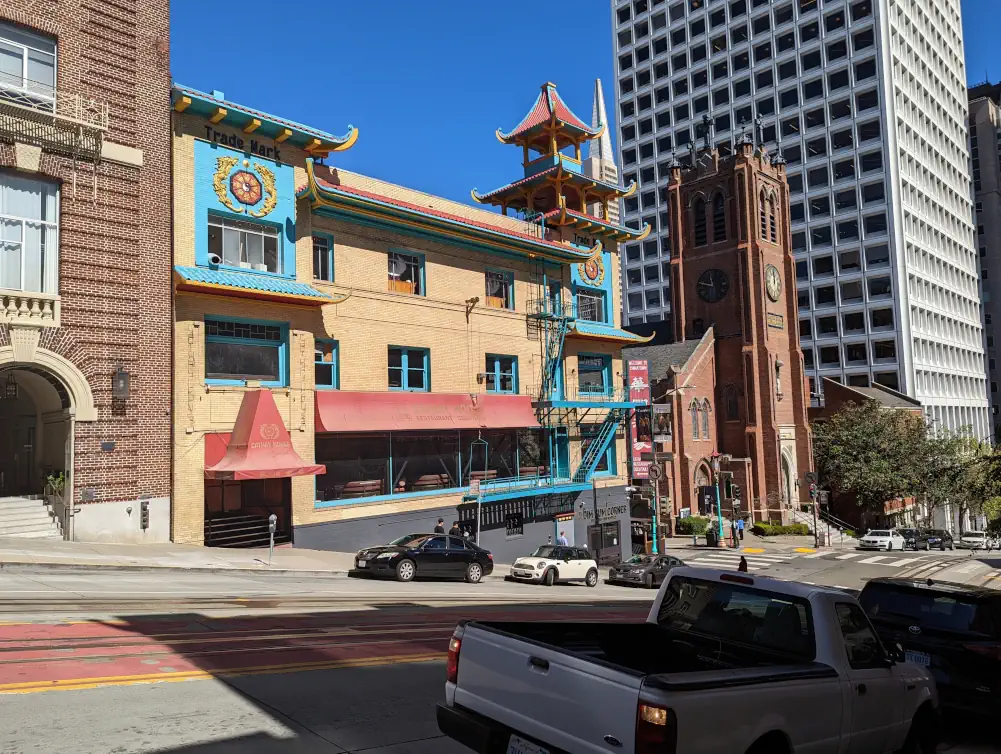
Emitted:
<point x="555" y="190"/>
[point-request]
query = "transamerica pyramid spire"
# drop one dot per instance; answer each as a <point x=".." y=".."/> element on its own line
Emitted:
<point x="602" y="146"/>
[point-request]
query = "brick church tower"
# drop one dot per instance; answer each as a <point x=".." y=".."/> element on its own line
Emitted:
<point x="733" y="271"/>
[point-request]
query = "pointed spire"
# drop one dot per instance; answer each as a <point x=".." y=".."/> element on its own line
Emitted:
<point x="601" y="147"/>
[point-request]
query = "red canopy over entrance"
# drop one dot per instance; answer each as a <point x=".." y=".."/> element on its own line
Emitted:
<point x="343" y="411"/>
<point x="259" y="446"/>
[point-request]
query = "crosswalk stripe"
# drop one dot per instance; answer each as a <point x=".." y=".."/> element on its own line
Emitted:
<point x="848" y="556"/>
<point x="816" y="555"/>
<point x="875" y="559"/>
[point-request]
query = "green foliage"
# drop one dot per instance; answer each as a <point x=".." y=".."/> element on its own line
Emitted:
<point x="773" y="530"/>
<point x="693" y="525"/>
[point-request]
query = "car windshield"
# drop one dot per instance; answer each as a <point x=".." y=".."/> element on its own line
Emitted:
<point x="409" y="539"/>
<point x="545" y="551"/>
<point x="879" y="533"/>
<point x="960" y="612"/>
<point x="743" y="614"/>
<point x="639" y="560"/>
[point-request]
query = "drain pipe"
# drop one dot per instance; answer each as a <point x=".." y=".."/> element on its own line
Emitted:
<point x="69" y="496"/>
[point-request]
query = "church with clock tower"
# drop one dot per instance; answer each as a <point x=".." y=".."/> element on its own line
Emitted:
<point x="729" y="395"/>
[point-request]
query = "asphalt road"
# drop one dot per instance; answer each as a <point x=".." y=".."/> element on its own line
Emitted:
<point x="146" y="662"/>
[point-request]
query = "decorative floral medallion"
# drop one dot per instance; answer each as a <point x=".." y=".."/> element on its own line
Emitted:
<point x="593" y="271"/>
<point x="246" y="187"/>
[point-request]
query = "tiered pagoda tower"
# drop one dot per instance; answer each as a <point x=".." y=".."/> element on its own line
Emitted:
<point x="555" y="191"/>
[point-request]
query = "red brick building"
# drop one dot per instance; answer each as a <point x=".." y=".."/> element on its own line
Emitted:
<point x="732" y="384"/>
<point x="85" y="284"/>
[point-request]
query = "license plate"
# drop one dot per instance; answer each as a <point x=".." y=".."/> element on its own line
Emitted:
<point x="517" y="745"/>
<point x="918" y="658"/>
<point x="362" y="563"/>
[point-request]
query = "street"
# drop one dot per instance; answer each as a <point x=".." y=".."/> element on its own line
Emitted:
<point x="119" y="661"/>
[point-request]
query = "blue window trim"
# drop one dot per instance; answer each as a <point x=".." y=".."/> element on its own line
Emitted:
<point x="493" y="367"/>
<point x="288" y="259"/>
<point x="421" y="260"/>
<point x="606" y="372"/>
<point x="336" y="364"/>
<point x="602" y="293"/>
<point x="610" y="459"/>
<point x="509" y="276"/>
<point x="405" y="366"/>
<point x="283" y="348"/>
<point x="330" y="256"/>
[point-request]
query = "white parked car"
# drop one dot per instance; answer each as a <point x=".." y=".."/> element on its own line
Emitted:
<point x="882" y="539"/>
<point x="552" y="563"/>
<point x="972" y="540"/>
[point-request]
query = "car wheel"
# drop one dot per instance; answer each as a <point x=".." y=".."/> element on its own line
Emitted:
<point x="889" y="546"/>
<point x="550" y="578"/>
<point x="474" y="573"/>
<point x="648" y="581"/>
<point x="592" y="577"/>
<point x="942" y="547"/>
<point x="924" y="734"/>
<point x="406" y="570"/>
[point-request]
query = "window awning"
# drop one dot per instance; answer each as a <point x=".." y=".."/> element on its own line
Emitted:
<point x="342" y="411"/>
<point x="259" y="446"/>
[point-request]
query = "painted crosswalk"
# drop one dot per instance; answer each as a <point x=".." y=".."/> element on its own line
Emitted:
<point x="731" y="559"/>
<point x="906" y="564"/>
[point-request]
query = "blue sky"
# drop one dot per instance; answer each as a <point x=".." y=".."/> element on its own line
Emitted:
<point x="428" y="81"/>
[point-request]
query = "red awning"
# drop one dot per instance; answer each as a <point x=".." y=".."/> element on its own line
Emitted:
<point x="341" y="411"/>
<point x="259" y="447"/>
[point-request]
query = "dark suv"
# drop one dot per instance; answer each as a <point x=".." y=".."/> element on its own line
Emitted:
<point x="929" y="538"/>
<point x="953" y="629"/>
<point x="910" y="537"/>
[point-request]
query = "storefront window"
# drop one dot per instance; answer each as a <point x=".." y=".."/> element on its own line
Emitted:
<point x="497" y="459"/>
<point x="358" y="465"/>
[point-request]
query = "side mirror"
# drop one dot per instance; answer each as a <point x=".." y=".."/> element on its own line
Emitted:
<point x="896" y="654"/>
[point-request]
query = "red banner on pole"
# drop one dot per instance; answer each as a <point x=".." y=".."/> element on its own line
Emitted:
<point x="639" y="392"/>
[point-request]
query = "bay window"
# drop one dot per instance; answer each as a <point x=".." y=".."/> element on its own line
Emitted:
<point x="29" y="237"/>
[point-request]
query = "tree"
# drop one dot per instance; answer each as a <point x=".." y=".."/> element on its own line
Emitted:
<point x="872" y="453"/>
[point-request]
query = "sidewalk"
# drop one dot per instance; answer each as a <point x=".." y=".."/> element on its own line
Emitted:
<point x="28" y="554"/>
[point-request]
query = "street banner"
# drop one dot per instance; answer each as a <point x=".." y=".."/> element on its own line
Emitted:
<point x="638" y="372"/>
<point x="662" y="423"/>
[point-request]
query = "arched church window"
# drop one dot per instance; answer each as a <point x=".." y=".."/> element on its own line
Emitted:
<point x="730" y="405"/>
<point x="763" y="215"/>
<point x="772" y="224"/>
<point x="705" y="419"/>
<point x="701" y="232"/>
<point x="719" y="219"/>
<point x="694" y="411"/>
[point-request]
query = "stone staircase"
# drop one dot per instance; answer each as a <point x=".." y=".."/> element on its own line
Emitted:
<point x="28" y="517"/>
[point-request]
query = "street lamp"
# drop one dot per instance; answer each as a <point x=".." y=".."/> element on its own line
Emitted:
<point x="714" y="461"/>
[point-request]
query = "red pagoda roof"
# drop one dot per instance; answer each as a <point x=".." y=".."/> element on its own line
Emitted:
<point x="549" y="107"/>
<point x="569" y="175"/>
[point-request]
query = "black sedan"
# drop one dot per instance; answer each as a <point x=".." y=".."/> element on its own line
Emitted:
<point x="930" y="538"/>
<point x="425" y="556"/>
<point x="952" y="629"/>
<point x="643" y="570"/>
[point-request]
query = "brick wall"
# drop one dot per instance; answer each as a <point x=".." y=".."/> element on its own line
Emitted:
<point x="114" y="249"/>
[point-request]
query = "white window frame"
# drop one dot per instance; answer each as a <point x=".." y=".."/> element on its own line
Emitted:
<point x="50" y="253"/>
<point x="8" y="32"/>
<point x="246" y="228"/>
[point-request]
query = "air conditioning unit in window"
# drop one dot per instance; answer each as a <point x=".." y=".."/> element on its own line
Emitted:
<point x="245" y="265"/>
<point x="261" y="267"/>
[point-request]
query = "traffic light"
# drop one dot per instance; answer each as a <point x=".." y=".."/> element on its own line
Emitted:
<point x="735" y="490"/>
<point x="144" y="514"/>
<point x="813" y="492"/>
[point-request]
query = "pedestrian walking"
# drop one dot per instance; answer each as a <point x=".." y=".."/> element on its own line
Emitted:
<point x="440" y="526"/>
<point x="733" y="532"/>
<point x="455" y="531"/>
<point x="562" y="541"/>
<point x="742" y="566"/>
<point x="740" y="529"/>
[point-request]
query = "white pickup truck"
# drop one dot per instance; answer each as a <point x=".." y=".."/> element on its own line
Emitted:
<point x="726" y="663"/>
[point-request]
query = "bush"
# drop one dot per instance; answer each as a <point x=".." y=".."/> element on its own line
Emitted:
<point x="773" y="530"/>
<point x="692" y="525"/>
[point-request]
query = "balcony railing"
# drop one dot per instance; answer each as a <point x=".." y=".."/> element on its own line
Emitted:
<point x="586" y="394"/>
<point x="29" y="309"/>
<point x="61" y="121"/>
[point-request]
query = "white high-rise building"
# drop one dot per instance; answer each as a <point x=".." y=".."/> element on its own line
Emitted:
<point x="868" y="101"/>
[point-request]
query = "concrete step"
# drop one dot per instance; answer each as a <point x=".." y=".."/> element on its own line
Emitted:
<point x="29" y="530"/>
<point x="50" y="534"/>
<point x="16" y="503"/>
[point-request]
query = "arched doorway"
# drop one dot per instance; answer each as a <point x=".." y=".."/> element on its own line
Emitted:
<point x="35" y="408"/>
<point x="703" y="481"/>
<point x="787" y="482"/>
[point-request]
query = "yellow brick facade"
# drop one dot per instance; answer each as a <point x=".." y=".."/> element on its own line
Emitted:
<point x="458" y="333"/>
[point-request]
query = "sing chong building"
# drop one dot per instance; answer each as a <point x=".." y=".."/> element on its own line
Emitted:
<point x="352" y="356"/>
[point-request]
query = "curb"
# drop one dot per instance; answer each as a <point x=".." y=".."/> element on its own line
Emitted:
<point x="29" y="567"/>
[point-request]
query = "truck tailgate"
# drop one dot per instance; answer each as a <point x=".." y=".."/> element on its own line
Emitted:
<point x="564" y="699"/>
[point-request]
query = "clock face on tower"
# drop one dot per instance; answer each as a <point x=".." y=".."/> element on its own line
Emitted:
<point x="713" y="285"/>
<point x="773" y="282"/>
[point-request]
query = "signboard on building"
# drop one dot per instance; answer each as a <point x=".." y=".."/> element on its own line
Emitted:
<point x="638" y="371"/>
<point x="776" y="320"/>
<point x="662" y="423"/>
